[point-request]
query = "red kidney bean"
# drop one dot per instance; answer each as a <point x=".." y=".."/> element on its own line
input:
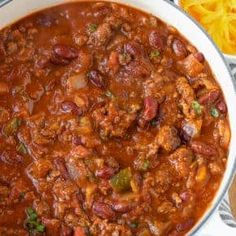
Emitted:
<point x="185" y="225"/>
<point x="103" y="210"/>
<point x="203" y="148"/>
<point x="76" y="140"/>
<point x="106" y="172"/>
<point x="61" y="167"/>
<point x="150" y="108"/>
<point x="221" y="106"/>
<point x="71" y="107"/>
<point x="199" y="56"/>
<point x="63" y="54"/>
<point x="96" y="79"/>
<point x="122" y="207"/>
<point x="134" y="49"/>
<point x="185" y="196"/>
<point x="156" y="40"/>
<point x="179" y="48"/>
<point x="210" y="97"/>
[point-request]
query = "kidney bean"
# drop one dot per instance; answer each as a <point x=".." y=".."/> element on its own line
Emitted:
<point x="221" y="106"/>
<point x="103" y="210"/>
<point x="185" y="225"/>
<point x="71" y="107"/>
<point x="179" y="48"/>
<point x="122" y="207"/>
<point x="203" y="148"/>
<point x="106" y="172"/>
<point x="156" y="40"/>
<point x="76" y="140"/>
<point x="134" y="49"/>
<point x="185" y="196"/>
<point x="200" y="57"/>
<point x="61" y="167"/>
<point x="150" y="108"/>
<point x="63" y="54"/>
<point x="210" y="97"/>
<point x="96" y="79"/>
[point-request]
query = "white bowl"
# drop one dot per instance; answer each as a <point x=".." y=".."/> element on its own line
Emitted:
<point x="230" y="58"/>
<point x="174" y="16"/>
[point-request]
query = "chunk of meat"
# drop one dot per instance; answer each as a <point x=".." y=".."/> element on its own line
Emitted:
<point x="79" y="231"/>
<point x="101" y="36"/>
<point x="190" y="66"/>
<point x="4" y="88"/>
<point x="113" y="62"/>
<point x="191" y="128"/>
<point x="187" y="96"/>
<point x="112" y="121"/>
<point x="168" y="138"/>
<point x="39" y="169"/>
<point x="181" y="160"/>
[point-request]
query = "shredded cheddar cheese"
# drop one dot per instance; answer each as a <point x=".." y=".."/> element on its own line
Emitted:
<point x="218" y="17"/>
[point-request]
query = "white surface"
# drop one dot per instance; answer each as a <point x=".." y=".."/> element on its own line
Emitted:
<point x="18" y="8"/>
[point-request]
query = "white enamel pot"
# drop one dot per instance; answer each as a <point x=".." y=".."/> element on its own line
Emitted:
<point x="171" y="14"/>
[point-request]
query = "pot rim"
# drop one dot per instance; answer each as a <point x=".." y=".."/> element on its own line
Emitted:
<point x="222" y="189"/>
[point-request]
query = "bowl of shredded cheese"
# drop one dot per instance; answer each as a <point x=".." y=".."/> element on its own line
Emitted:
<point x="218" y="17"/>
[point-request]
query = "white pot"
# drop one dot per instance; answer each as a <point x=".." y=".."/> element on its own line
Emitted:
<point x="171" y="14"/>
<point x="230" y="58"/>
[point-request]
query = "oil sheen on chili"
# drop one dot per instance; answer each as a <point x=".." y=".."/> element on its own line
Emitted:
<point x="112" y="124"/>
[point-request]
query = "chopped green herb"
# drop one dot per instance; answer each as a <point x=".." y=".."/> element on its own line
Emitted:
<point x="124" y="58"/>
<point x="21" y="196"/>
<point x="92" y="28"/>
<point x="109" y="94"/>
<point x="146" y="165"/>
<point x="133" y="225"/>
<point x="154" y="54"/>
<point x="121" y="181"/>
<point x="197" y="107"/>
<point x="33" y="223"/>
<point x="154" y="122"/>
<point x="214" y="112"/>
<point x="21" y="148"/>
<point x="12" y="126"/>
